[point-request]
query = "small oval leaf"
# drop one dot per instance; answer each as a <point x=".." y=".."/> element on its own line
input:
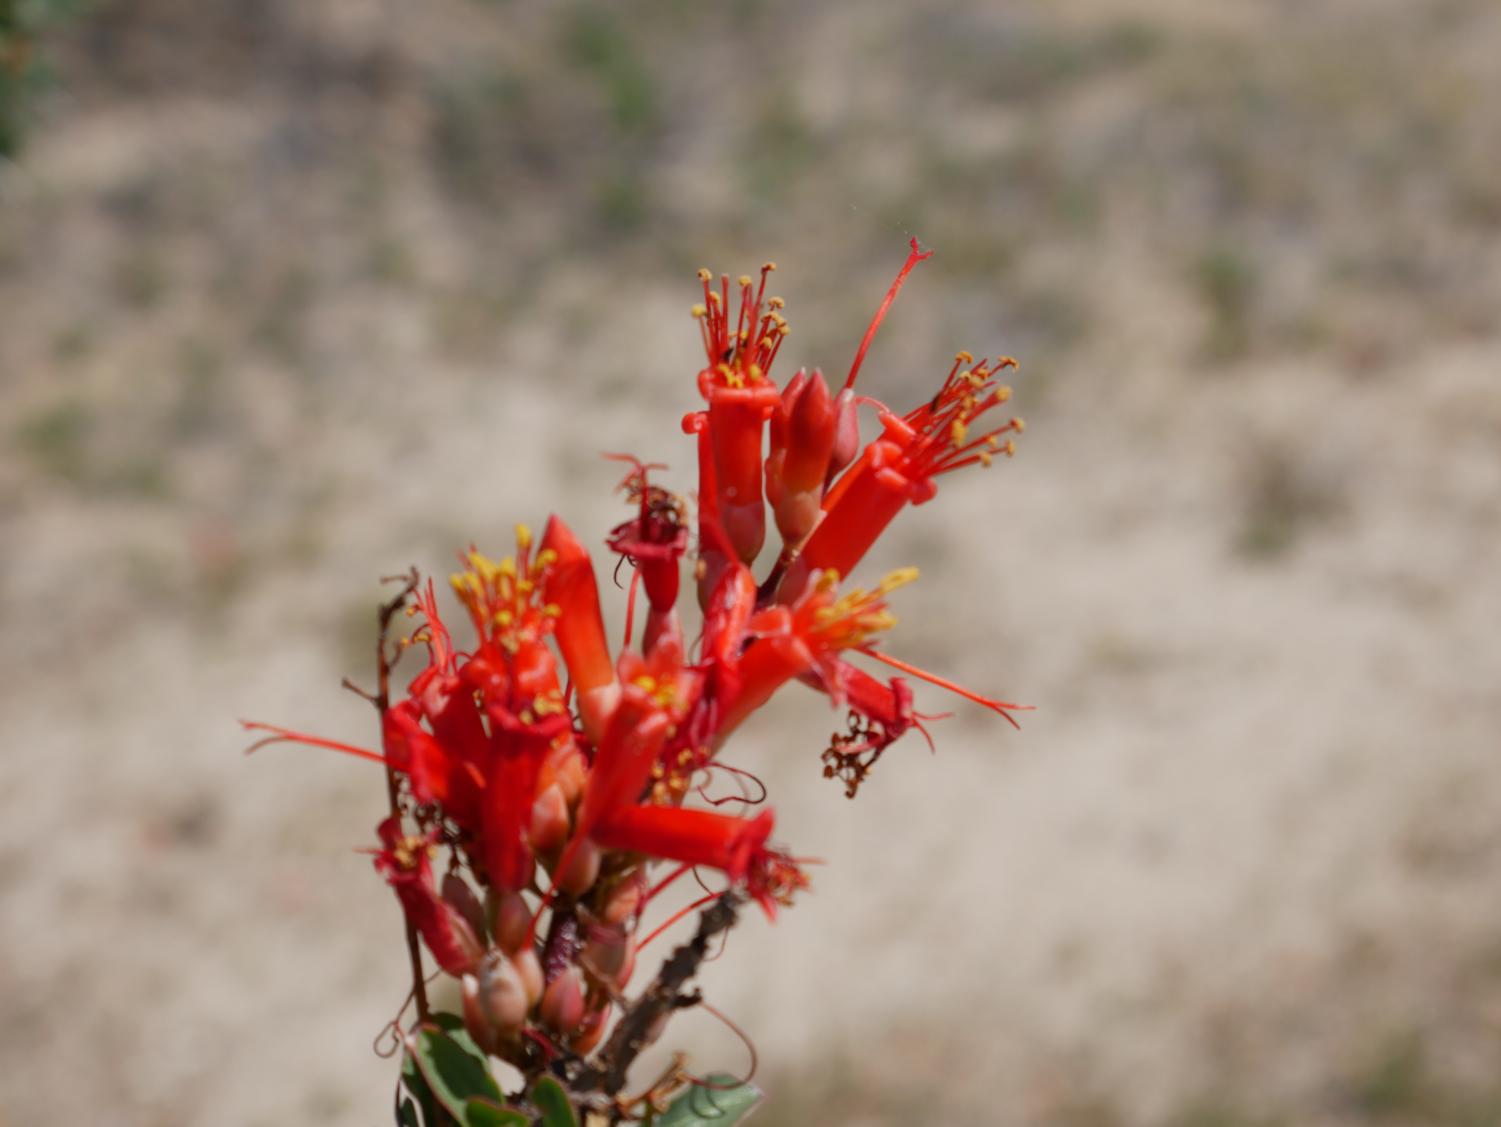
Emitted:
<point x="553" y="1103"/>
<point x="454" y="1072"/>
<point x="483" y="1113"/>
<point x="727" y="1102"/>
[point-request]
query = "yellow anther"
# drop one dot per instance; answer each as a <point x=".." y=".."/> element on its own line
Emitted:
<point x="552" y="610"/>
<point x="527" y="717"/>
<point x="699" y="311"/>
<point x="1018" y="425"/>
<point x="768" y="267"/>
<point x="523" y="537"/>
<point x="714" y="298"/>
<point x="646" y="683"/>
<point x="1002" y="394"/>
<point x="745" y="279"/>
<point x="964" y="357"/>
<point x="504" y="617"/>
<point x="957" y="432"/>
<point x="776" y="303"/>
<point x="755" y="372"/>
<point x="784" y="328"/>
<point x="546" y="558"/>
<point x="985" y="458"/>
<point x="1009" y="449"/>
<point x="898" y="578"/>
<point x="703" y="274"/>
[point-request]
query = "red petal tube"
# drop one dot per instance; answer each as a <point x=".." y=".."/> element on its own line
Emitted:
<point x="580" y="628"/>
<point x="694" y="837"/>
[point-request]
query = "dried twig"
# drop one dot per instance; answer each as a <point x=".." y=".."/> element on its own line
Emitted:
<point x="639" y="1025"/>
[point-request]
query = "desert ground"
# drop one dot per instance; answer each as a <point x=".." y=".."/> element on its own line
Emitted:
<point x="293" y="296"/>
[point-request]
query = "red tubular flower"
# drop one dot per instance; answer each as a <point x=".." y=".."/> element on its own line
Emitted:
<point x="405" y="864"/>
<point x="802" y="440"/>
<point x="899" y="468"/>
<point x="571" y="588"/>
<point x="790" y="641"/>
<point x="654" y="541"/>
<point x="735" y="383"/>
<point x="693" y="837"/>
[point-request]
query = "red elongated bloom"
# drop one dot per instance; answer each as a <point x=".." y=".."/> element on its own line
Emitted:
<point x="693" y="837"/>
<point x="898" y="468"/>
<point x="735" y="382"/>
<point x="571" y="587"/>
<point x="790" y="641"/>
<point x="405" y="863"/>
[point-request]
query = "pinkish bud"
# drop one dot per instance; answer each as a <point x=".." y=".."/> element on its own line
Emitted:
<point x="475" y="1021"/>
<point x="562" y="1006"/>
<point x="810" y="437"/>
<point x="510" y="919"/>
<point x="461" y="898"/>
<point x="624" y="900"/>
<point x="549" y="828"/>
<point x="591" y="1032"/>
<point x="605" y="953"/>
<point x="582" y="871"/>
<point x="529" y="967"/>
<point x="502" y="993"/>
<point x="846" y="433"/>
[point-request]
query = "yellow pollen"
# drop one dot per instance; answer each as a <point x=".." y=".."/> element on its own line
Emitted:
<point x="703" y="274"/>
<point x="768" y="266"/>
<point x="957" y="432"/>
<point x="985" y="458"/>
<point x="546" y="558"/>
<point x="527" y="717"/>
<point x="745" y="279"/>
<point x="1018" y="425"/>
<point x="1009" y="449"/>
<point x="1002" y="394"/>
<point x="713" y="298"/>
<point x="964" y="357"/>
<point x="898" y="578"/>
<point x="699" y="312"/>
<point x="776" y="303"/>
<point x="523" y="537"/>
<point x="552" y="610"/>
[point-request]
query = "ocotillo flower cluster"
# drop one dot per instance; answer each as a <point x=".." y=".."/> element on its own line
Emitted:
<point x="550" y="771"/>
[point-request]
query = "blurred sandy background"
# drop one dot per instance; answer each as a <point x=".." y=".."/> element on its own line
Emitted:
<point x="296" y="294"/>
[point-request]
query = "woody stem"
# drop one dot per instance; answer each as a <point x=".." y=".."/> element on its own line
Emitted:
<point x="388" y="611"/>
<point x="634" y="1031"/>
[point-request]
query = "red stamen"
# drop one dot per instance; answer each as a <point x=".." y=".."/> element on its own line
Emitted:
<point x="1002" y="708"/>
<point x="678" y="915"/>
<point x="913" y="258"/>
<point x="286" y="735"/>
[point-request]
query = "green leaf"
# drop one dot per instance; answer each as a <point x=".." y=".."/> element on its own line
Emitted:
<point x="552" y="1101"/>
<point x="483" y="1113"/>
<point x="453" y="1067"/>
<point x="406" y="1113"/>
<point x="417" y="1089"/>
<point x="728" y="1102"/>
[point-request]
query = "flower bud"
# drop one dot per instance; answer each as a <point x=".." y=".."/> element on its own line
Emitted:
<point x="475" y="1021"/>
<point x="461" y="898"/>
<point x="591" y="1032"/>
<point x="502" y="993"/>
<point x="606" y="952"/>
<point x="562" y="1006"/>
<point x="529" y="967"/>
<point x="549" y="827"/>
<point x="846" y="433"/>
<point x="624" y="900"/>
<point x="582" y="871"/>
<point x="510" y="919"/>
